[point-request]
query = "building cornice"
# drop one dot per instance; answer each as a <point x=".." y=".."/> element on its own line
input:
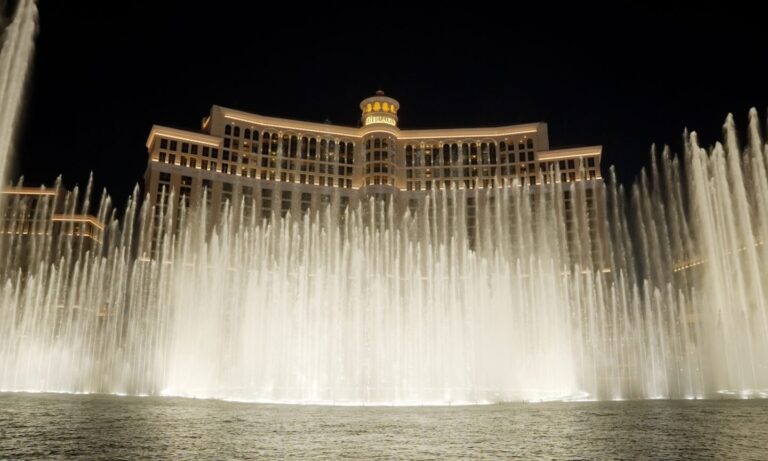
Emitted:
<point x="572" y="152"/>
<point x="287" y="124"/>
<point x="182" y="135"/>
<point x="455" y="133"/>
<point x="468" y="133"/>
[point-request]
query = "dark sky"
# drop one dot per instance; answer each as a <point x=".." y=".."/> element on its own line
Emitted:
<point x="624" y="78"/>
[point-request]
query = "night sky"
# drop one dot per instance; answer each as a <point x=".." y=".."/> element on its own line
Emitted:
<point x="625" y="79"/>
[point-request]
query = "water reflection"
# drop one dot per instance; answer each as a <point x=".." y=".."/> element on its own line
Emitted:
<point x="109" y="427"/>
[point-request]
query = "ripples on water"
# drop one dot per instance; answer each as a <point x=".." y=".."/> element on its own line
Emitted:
<point x="49" y="426"/>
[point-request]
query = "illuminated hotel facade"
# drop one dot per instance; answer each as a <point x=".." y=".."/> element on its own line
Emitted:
<point x="283" y="165"/>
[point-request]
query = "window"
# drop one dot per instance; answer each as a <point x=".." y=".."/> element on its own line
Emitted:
<point x="247" y="133"/>
<point x="185" y="147"/>
<point x="163" y="144"/>
<point x="236" y="131"/>
<point x="206" y="151"/>
<point x="284" y="145"/>
<point x="194" y="149"/>
<point x="174" y="145"/>
<point x="286" y="200"/>
<point x="350" y="152"/>
<point x="228" y="129"/>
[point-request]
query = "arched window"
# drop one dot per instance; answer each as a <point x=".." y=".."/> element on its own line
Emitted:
<point x="367" y="143"/>
<point x="377" y="143"/>
<point x="342" y="148"/>
<point x="237" y="132"/>
<point x="228" y="129"/>
<point x="503" y="145"/>
<point x="294" y="142"/>
<point x="286" y="144"/>
<point x="529" y="143"/>
<point x="493" y="152"/>
<point x="247" y="133"/>
<point x="265" y="143"/>
<point x="255" y="135"/>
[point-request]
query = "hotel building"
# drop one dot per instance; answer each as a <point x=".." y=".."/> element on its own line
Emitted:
<point x="282" y="165"/>
<point x="44" y="221"/>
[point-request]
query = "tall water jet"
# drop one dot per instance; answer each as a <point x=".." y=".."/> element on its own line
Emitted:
<point x="376" y="304"/>
<point x="15" y="60"/>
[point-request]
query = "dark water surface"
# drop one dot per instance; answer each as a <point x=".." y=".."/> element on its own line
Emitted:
<point x="51" y="426"/>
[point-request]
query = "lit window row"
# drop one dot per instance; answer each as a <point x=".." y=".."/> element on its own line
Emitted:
<point x="380" y="107"/>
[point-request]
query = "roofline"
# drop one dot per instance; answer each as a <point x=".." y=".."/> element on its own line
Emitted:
<point x="28" y="191"/>
<point x="86" y="218"/>
<point x="458" y="133"/>
<point x="442" y="133"/>
<point x="234" y="114"/>
<point x="182" y="135"/>
<point x="570" y="152"/>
